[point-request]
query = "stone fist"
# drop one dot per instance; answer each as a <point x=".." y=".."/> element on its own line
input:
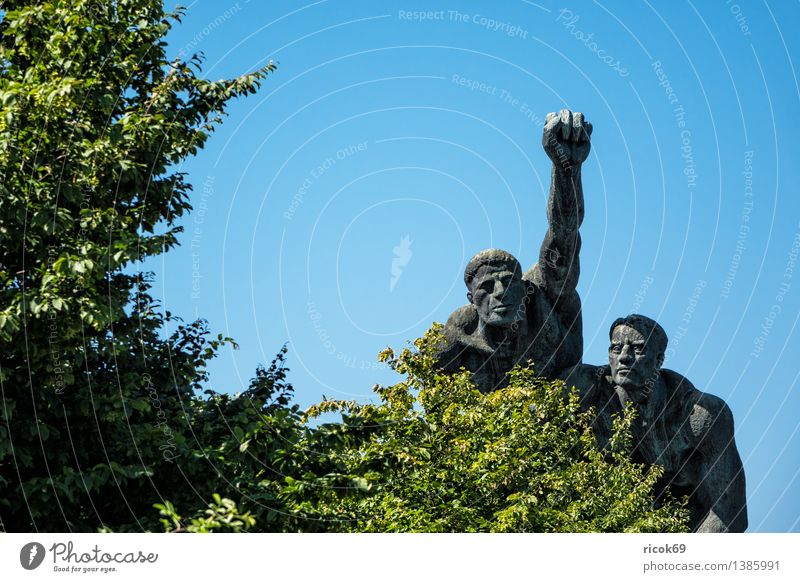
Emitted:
<point x="566" y="138"/>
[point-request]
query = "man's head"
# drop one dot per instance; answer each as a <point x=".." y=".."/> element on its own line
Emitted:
<point x="495" y="287"/>
<point x="637" y="350"/>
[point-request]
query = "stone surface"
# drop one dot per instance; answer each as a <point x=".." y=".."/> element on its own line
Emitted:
<point x="684" y="430"/>
<point x="513" y="317"/>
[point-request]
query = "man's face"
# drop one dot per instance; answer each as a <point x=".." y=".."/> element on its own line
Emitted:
<point x="632" y="360"/>
<point x="498" y="295"/>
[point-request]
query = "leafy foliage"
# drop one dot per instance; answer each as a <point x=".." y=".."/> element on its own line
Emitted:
<point x="221" y="515"/>
<point x="96" y="402"/>
<point x="436" y="455"/>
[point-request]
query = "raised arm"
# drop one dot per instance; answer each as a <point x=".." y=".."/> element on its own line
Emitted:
<point x="566" y="141"/>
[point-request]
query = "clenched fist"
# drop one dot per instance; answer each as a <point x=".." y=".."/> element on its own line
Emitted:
<point x="566" y="138"/>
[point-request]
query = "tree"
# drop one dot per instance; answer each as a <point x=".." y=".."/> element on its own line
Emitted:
<point x="96" y="404"/>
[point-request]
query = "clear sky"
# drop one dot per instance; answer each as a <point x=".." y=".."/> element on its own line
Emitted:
<point x="336" y="209"/>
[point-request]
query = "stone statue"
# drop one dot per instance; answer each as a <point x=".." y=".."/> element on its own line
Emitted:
<point x="513" y="317"/>
<point x="686" y="431"/>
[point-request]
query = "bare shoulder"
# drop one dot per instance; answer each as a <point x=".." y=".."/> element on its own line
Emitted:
<point x="586" y="378"/>
<point x="463" y="320"/>
<point x="456" y="336"/>
<point x="552" y="293"/>
<point x="709" y="417"/>
<point x="581" y="374"/>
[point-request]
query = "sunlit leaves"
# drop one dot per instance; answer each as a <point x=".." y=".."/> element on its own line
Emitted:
<point x="437" y="455"/>
<point x="95" y="116"/>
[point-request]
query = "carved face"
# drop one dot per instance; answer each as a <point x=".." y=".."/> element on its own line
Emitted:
<point x="632" y="358"/>
<point x="498" y="295"/>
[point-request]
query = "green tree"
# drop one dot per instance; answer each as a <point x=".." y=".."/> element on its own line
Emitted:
<point x="436" y="455"/>
<point x="96" y="404"/>
<point x="221" y="515"/>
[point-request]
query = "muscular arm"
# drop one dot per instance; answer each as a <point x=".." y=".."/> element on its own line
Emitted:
<point x="559" y="254"/>
<point x="721" y="483"/>
<point x="566" y="141"/>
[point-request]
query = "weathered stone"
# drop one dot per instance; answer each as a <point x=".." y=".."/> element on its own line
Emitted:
<point x="513" y="318"/>
<point x="687" y="432"/>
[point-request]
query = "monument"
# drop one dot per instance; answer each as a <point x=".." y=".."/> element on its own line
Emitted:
<point x="687" y="432"/>
<point x="513" y="318"/>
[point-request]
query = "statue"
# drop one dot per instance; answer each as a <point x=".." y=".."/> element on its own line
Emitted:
<point x="687" y="432"/>
<point x="513" y="317"/>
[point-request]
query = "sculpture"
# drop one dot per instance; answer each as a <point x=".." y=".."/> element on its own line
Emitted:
<point x="512" y="318"/>
<point x="687" y="432"/>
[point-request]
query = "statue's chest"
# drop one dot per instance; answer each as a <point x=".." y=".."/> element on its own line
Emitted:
<point x="541" y="340"/>
<point x="662" y="441"/>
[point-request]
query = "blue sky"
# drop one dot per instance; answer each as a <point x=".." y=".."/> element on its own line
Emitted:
<point x="336" y="209"/>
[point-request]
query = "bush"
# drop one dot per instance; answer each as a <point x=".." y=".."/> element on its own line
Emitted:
<point x="437" y="455"/>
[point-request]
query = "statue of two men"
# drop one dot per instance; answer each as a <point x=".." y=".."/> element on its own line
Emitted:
<point x="513" y="318"/>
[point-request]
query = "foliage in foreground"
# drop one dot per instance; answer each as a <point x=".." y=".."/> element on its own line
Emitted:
<point x="436" y="455"/>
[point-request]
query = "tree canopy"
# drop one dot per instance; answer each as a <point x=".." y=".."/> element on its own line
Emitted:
<point x="94" y="120"/>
